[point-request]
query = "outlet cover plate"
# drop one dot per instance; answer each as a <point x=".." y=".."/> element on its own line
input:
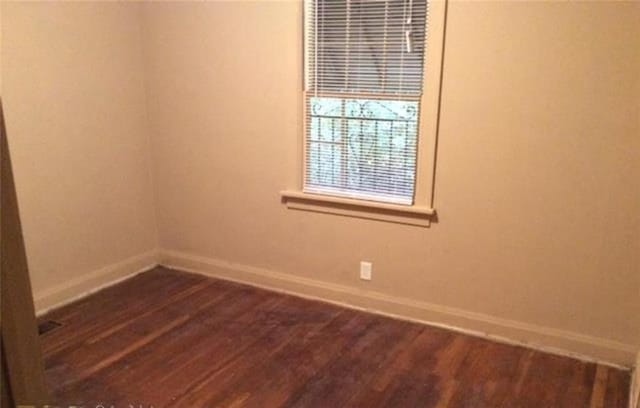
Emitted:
<point x="365" y="270"/>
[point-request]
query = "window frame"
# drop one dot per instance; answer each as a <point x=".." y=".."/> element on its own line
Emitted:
<point x="422" y="211"/>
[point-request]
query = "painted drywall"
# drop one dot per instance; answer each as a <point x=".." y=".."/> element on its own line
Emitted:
<point x="75" y="109"/>
<point x="537" y="175"/>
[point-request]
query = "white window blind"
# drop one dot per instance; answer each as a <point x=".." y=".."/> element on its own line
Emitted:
<point x="364" y="76"/>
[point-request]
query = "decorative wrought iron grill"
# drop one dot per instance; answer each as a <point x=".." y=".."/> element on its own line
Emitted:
<point x="363" y="148"/>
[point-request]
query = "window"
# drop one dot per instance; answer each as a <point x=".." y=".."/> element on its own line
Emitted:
<point x="364" y="82"/>
<point x="371" y="103"/>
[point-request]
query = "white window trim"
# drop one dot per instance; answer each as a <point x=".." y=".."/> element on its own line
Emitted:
<point x="422" y="211"/>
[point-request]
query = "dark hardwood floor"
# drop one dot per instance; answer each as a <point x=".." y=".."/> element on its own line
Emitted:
<point x="167" y="338"/>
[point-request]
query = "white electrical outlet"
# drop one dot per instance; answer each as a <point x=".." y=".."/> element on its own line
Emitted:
<point x="365" y="270"/>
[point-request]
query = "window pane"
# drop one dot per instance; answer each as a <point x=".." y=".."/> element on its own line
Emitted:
<point x="362" y="148"/>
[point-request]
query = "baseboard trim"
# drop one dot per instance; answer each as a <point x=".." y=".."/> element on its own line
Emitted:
<point x="550" y="340"/>
<point x="94" y="281"/>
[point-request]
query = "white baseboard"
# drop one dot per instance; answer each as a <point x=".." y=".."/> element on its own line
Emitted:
<point x="551" y="340"/>
<point x="94" y="281"/>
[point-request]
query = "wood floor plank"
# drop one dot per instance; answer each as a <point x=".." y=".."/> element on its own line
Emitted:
<point x="616" y="393"/>
<point x="305" y="351"/>
<point x="269" y="338"/>
<point x="179" y="347"/>
<point x="339" y="381"/>
<point x="101" y="311"/>
<point x="599" y="388"/>
<point x="171" y="339"/>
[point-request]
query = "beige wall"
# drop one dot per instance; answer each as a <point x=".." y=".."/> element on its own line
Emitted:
<point x="76" y="120"/>
<point x="537" y="182"/>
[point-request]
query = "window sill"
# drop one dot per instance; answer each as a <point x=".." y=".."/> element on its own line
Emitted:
<point x="402" y="214"/>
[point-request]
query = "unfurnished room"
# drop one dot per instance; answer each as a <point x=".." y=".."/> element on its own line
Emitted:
<point x="320" y="203"/>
